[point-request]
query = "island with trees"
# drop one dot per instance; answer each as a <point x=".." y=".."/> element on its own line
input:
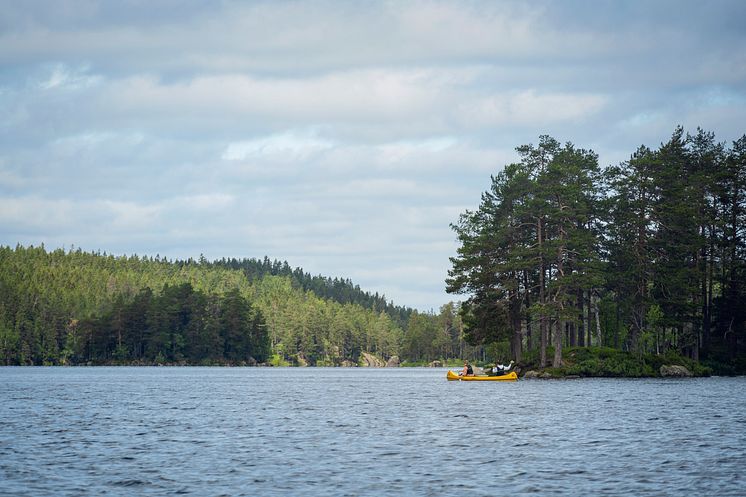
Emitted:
<point x="647" y="257"/>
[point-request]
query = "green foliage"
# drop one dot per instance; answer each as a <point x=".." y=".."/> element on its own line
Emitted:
<point x="339" y="290"/>
<point x="653" y="250"/>
<point x="452" y="363"/>
<point x="499" y="352"/>
<point x="160" y="359"/>
<point x="530" y="248"/>
<point x="73" y="307"/>
<point x="611" y="362"/>
<point x="278" y="360"/>
<point x="617" y="363"/>
<point x="672" y="358"/>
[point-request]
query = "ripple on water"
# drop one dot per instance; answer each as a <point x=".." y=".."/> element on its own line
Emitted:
<point x="242" y="431"/>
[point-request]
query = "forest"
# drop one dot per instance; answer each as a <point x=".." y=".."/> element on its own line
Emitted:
<point x="647" y="256"/>
<point x="73" y="307"/>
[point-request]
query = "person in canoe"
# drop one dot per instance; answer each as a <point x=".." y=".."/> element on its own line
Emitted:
<point x="467" y="371"/>
<point x="501" y="369"/>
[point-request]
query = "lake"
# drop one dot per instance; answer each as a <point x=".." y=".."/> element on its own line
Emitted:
<point x="366" y="432"/>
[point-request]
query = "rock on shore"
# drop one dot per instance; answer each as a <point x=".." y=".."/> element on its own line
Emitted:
<point x="675" y="371"/>
<point x="371" y="361"/>
<point x="393" y="362"/>
<point x="536" y="374"/>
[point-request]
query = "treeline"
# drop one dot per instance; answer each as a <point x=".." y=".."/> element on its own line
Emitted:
<point x="341" y="290"/>
<point x="179" y="325"/>
<point x="647" y="256"/>
<point x="75" y="307"/>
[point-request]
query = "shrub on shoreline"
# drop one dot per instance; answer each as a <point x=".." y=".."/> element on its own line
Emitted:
<point x="612" y="363"/>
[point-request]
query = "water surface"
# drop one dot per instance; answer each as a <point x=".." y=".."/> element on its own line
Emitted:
<point x="318" y="431"/>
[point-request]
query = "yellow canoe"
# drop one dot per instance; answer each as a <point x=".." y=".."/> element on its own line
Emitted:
<point x="512" y="376"/>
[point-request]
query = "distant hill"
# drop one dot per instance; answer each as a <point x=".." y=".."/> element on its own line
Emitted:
<point x="76" y="307"/>
<point x="341" y="290"/>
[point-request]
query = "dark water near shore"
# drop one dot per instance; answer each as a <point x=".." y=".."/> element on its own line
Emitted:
<point x="262" y="432"/>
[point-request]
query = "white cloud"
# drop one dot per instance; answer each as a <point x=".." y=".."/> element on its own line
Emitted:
<point x="529" y="108"/>
<point x="34" y="214"/>
<point x="205" y="202"/>
<point x="357" y="95"/>
<point x="129" y="217"/>
<point x="343" y="136"/>
<point x="288" y="146"/>
<point x="63" y="77"/>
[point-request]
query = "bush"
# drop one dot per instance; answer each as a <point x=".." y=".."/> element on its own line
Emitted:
<point x="672" y="358"/>
<point x="609" y="362"/>
<point x="278" y="360"/>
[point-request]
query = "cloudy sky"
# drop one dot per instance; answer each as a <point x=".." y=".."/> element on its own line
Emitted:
<point x="343" y="137"/>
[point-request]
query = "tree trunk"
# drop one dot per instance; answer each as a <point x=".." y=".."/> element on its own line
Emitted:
<point x="695" y="345"/>
<point x="707" y="325"/>
<point x="589" y="319"/>
<point x="542" y="298"/>
<point x="599" y="342"/>
<point x="559" y="298"/>
<point x="516" y="344"/>
<point x="530" y="339"/>
<point x="559" y="331"/>
<point x="515" y="321"/>
<point x="581" y="319"/>
<point x="573" y="338"/>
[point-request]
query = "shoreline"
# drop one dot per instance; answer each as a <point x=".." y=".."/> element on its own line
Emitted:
<point x="532" y="374"/>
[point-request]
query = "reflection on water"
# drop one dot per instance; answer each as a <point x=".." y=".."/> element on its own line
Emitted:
<point x="254" y="431"/>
